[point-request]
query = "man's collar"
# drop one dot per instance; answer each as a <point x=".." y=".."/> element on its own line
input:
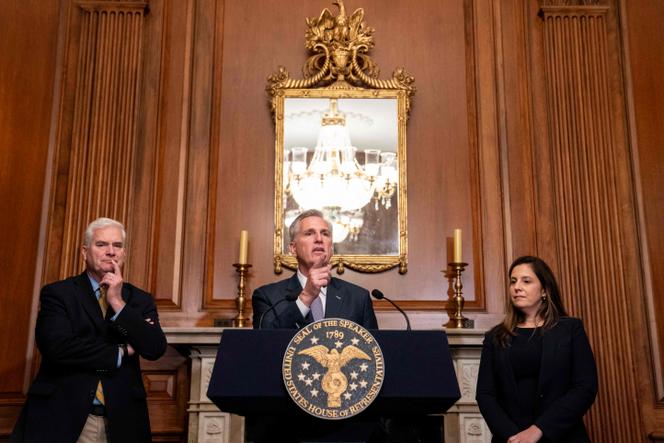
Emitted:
<point x="93" y="282"/>
<point x="301" y="278"/>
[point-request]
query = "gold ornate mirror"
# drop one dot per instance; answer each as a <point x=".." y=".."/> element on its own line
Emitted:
<point x="341" y="146"/>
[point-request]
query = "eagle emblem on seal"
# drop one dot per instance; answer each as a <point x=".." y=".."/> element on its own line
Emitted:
<point x="334" y="381"/>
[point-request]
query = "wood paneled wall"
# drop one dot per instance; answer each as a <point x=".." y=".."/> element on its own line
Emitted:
<point x="444" y="188"/>
<point x="28" y="60"/>
<point x="534" y="128"/>
<point x="641" y="23"/>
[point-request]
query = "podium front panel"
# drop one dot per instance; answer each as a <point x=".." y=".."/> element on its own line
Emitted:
<point x="419" y="373"/>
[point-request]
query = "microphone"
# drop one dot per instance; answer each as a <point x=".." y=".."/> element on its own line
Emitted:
<point x="291" y="296"/>
<point x="379" y="295"/>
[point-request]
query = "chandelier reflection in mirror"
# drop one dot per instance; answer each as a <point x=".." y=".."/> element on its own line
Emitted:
<point x="332" y="176"/>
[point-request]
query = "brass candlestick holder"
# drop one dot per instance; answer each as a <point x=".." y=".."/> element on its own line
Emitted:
<point x="240" y="319"/>
<point x="458" y="320"/>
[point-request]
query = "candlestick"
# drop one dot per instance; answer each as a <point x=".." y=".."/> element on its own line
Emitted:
<point x="457" y="320"/>
<point x="457" y="246"/>
<point x="244" y="247"/>
<point x="240" y="319"/>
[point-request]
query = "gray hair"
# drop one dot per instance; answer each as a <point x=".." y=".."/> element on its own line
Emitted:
<point x="102" y="222"/>
<point x="294" y="228"/>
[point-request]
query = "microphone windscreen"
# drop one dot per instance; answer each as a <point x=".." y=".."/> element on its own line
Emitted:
<point x="377" y="294"/>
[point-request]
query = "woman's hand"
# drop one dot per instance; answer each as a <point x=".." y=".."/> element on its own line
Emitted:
<point x="531" y="435"/>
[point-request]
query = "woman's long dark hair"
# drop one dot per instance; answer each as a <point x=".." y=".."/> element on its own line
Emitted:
<point x="552" y="307"/>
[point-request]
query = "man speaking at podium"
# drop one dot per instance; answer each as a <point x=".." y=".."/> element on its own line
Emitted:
<point x="311" y="293"/>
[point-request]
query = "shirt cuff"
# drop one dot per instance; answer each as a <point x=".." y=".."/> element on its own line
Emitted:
<point x="304" y="309"/>
<point x="117" y="313"/>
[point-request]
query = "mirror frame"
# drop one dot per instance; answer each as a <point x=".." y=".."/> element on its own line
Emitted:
<point x="340" y="67"/>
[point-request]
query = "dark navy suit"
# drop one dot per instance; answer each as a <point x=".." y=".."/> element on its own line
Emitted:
<point x="78" y="349"/>
<point x="566" y="388"/>
<point x="344" y="300"/>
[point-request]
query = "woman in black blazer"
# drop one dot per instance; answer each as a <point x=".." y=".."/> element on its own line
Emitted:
<point x="537" y="374"/>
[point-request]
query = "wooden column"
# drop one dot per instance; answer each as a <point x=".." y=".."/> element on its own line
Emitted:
<point x="103" y="138"/>
<point x="588" y="175"/>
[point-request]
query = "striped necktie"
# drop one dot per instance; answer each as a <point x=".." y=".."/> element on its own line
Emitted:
<point x="103" y="304"/>
<point x="317" y="309"/>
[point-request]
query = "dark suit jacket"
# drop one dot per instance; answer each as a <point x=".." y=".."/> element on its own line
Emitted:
<point x="344" y="300"/>
<point x="78" y="349"/>
<point x="566" y="389"/>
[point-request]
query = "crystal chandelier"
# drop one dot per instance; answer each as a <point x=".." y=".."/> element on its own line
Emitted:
<point x="334" y="181"/>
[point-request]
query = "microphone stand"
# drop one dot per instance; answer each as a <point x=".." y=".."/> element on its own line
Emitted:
<point x="289" y="297"/>
<point x="380" y="296"/>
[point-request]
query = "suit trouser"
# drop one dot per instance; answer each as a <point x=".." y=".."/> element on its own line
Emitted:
<point x="94" y="430"/>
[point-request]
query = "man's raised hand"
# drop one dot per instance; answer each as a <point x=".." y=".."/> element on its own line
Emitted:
<point x="113" y="283"/>
<point x="319" y="276"/>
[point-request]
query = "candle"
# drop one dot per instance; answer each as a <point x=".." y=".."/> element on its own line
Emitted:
<point x="244" y="247"/>
<point x="457" y="246"/>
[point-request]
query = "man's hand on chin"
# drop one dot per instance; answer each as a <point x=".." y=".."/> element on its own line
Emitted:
<point x="113" y="283"/>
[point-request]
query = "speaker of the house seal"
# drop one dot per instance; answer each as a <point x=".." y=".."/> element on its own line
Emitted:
<point x="333" y="368"/>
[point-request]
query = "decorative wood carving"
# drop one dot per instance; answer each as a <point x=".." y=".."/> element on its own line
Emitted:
<point x="586" y="169"/>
